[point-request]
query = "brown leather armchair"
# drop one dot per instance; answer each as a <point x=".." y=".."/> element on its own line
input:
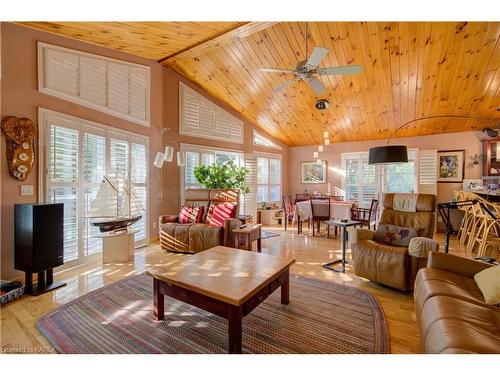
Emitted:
<point x="193" y="238"/>
<point x="390" y="265"/>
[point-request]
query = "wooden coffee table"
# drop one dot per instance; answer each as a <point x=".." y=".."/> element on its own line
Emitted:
<point x="226" y="282"/>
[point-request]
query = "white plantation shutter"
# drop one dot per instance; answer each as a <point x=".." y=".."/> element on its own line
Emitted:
<point x="118" y="157"/>
<point x="138" y="180"/>
<point x="94" y="168"/>
<point x="62" y="72"/>
<point x="93" y="81"/>
<point x="274" y="180"/>
<point x="260" y="140"/>
<point x="192" y="161"/>
<point x="250" y="199"/>
<point x="108" y="85"/>
<point x="118" y="87"/>
<point x="369" y="189"/>
<point x="199" y="117"/>
<point x="427" y="171"/>
<point x="62" y="181"/>
<point x="262" y="180"/>
<point x="139" y="93"/>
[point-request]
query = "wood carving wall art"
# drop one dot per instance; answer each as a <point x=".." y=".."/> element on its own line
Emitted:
<point x="20" y="136"/>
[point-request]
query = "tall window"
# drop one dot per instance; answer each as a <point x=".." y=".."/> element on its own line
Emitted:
<point x="268" y="179"/>
<point x="364" y="182"/>
<point x="78" y="155"/>
<point x="199" y="155"/>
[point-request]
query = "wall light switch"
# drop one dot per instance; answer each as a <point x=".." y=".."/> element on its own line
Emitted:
<point x="26" y="189"/>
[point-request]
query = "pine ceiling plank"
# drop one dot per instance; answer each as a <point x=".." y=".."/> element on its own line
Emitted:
<point x="240" y="31"/>
<point x="151" y="40"/>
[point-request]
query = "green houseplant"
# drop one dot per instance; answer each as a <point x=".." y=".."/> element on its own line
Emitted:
<point x="222" y="176"/>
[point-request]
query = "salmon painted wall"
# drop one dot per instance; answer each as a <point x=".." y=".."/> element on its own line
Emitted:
<point x="468" y="141"/>
<point x="19" y="97"/>
<point x="171" y="176"/>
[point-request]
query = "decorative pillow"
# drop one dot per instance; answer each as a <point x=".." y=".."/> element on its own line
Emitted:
<point x="221" y="212"/>
<point x="395" y="235"/>
<point x="190" y="215"/>
<point x="488" y="281"/>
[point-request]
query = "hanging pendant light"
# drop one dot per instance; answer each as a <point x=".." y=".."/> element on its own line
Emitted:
<point x="159" y="159"/>
<point x="326" y="134"/>
<point x="320" y="148"/>
<point x="327" y="141"/>
<point x="315" y="154"/>
<point x="318" y="161"/>
<point x="169" y="153"/>
<point x="181" y="159"/>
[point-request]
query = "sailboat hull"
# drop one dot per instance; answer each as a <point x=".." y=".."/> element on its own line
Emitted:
<point x="115" y="224"/>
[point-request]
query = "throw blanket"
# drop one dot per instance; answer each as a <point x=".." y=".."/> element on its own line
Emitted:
<point x="406" y="202"/>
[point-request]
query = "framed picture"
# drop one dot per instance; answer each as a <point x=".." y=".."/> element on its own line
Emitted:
<point x="313" y="173"/>
<point x="451" y="166"/>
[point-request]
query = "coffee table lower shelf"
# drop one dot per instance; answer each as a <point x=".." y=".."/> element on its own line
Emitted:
<point x="234" y="313"/>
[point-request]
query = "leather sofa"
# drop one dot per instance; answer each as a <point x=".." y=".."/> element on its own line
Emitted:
<point x="396" y="266"/>
<point x="193" y="238"/>
<point x="451" y="312"/>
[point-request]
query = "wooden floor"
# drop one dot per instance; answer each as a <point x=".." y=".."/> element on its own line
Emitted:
<point x="19" y="334"/>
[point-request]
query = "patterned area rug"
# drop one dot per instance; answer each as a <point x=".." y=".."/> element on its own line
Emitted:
<point x="322" y="317"/>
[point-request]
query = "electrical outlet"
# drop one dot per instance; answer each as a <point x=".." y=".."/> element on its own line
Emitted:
<point x="26" y="189"/>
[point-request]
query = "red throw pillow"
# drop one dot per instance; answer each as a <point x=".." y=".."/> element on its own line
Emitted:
<point x="190" y="215"/>
<point x="221" y="212"/>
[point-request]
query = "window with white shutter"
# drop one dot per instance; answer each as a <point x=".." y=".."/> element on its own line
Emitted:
<point x="116" y="87"/>
<point x="200" y="155"/>
<point x="250" y="199"/>
<point x="199" y="117"/>
<point x="268" y="178"/>
<point x="361" y="181"/>
<point x="76" y="155"/>
<point x="260" y="140"/>
<point x="427" y="171"/>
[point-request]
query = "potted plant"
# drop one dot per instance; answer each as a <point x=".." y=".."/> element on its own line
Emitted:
<point x="222" y="176"/>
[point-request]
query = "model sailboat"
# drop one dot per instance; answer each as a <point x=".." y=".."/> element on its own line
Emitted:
<point x="116" y="205"/>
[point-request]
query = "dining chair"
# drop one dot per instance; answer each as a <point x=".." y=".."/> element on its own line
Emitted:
<point x="367" y="216"/>
<point x="289" y="209"/>
<point x="320" y="211"/>
<point x="301" y="197"/>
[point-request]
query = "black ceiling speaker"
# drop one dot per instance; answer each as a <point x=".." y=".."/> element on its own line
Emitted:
<point x="491" y="132"/>
<point x="388" y="154"/>
<point x="322" y="104"/>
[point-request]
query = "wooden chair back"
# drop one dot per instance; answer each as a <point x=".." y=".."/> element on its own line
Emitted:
<point x="320" y="208"/>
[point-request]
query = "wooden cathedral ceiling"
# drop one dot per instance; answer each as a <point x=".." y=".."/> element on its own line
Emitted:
<point x="411" y="70"/>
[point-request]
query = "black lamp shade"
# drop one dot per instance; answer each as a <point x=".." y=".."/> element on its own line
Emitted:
<point x="388" y="155"/>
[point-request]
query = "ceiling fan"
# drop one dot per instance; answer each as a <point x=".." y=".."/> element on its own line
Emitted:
<point x="307" y="70"/>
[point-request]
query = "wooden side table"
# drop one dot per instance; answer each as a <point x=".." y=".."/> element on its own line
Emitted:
<point x="250" y="233"/>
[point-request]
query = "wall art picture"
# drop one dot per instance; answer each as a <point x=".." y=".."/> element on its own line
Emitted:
<point x="451" y="166"/>
<point x="20" y="136"/>
<point x="313" y="172"/>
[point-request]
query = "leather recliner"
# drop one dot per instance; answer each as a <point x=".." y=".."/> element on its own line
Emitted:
<point x="390" y="265"/>
<point x="193" y="238"/>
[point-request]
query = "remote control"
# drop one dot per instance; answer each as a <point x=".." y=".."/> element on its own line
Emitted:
<point x="242" y="226"/>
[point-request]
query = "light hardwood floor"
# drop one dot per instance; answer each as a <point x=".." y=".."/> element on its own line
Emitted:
<point x="18" y="331"/>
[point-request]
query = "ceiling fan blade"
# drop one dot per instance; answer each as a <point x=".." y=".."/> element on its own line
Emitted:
<point x="283" y="85"/>
<point x="340" y="70"/>
<point x="318" y="54"/>
<point x="275" y="70"/>
<point x="317" y="86"/>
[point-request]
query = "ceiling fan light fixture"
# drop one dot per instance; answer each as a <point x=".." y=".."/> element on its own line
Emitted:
<point x="389" y="154"/>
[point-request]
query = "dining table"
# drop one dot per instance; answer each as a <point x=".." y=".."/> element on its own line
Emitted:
<point x="339" y="210"/>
